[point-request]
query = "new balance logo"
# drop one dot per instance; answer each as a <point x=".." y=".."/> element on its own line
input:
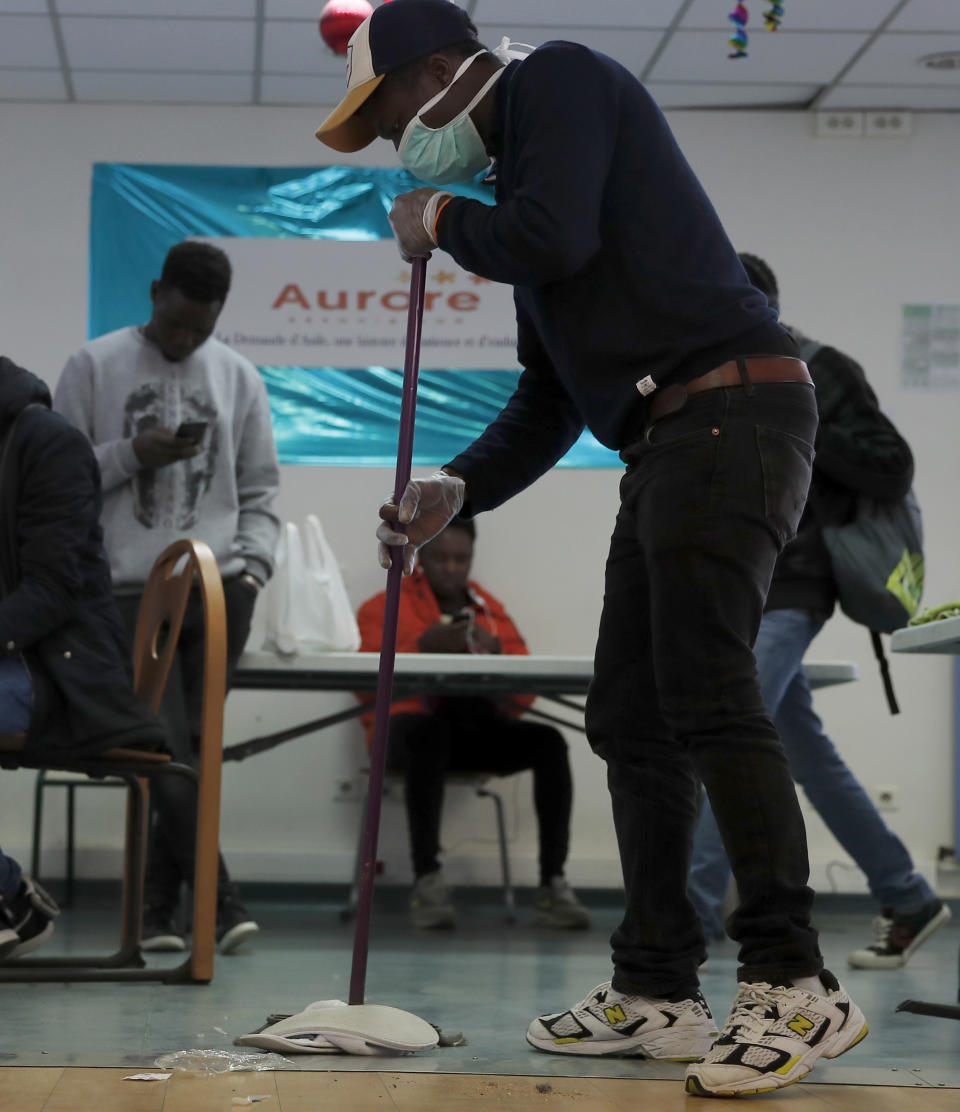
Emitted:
<point x="615" y="1014"/>
<point x="801" y="1026"/>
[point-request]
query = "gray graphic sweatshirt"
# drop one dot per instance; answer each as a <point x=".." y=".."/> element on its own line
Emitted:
<point x="120" y="385"/>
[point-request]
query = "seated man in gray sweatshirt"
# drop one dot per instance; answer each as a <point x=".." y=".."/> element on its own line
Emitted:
<point x="181" y="428"/>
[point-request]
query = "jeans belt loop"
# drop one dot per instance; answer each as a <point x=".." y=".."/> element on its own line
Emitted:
<point x="748" y="387"/>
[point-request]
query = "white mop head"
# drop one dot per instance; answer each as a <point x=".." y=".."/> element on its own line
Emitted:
<point x="334" y="1027"/>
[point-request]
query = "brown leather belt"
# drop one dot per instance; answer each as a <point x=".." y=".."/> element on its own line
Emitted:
<point x="771" y="368"/>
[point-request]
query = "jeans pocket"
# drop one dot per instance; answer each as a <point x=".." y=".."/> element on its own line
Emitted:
<point x="787" y="463"/>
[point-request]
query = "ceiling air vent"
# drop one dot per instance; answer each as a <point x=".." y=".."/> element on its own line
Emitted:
<point x="948" y="60"/>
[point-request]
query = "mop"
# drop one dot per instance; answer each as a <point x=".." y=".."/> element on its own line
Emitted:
<point x="331" y="1026"/>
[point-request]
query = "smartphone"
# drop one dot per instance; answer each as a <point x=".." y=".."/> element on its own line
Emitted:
<point x="191" y="430"/>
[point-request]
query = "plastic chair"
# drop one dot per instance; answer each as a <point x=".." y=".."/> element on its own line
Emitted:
<point x="158" y="628"/>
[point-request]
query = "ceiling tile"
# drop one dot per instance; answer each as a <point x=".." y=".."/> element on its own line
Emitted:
<point x="797" y="58"/>
<point x="631" y="48"/>
<point x="159" y="44"/>
<point x="576" y="13"/>
<point x="237" y="9"/>
<point x="922" y="99"/>
<point x="294" y="9"/>
<point x="894" y="60"/>
<point x="27" y="41"/>
<point x="683" y="95"/>
<point x="281" y="88"/>
<point x="163" y="88"/>
<point x="36" y="6"/>
<point x="928" y="15"/>
<point x="832" y="15"/>
<point x="296" y="47"/>
<point x="31" y="84"/>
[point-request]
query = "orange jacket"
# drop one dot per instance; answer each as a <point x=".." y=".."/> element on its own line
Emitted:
<point x="418" y="612"/>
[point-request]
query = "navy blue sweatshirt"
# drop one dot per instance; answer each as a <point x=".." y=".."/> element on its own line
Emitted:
<point x="620" y="266"/>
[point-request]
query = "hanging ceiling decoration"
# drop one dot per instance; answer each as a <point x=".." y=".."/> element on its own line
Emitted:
<point x="740" y="17"/>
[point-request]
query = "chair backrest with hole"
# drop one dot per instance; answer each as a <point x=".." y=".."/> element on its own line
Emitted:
<point x="162" y="611"/>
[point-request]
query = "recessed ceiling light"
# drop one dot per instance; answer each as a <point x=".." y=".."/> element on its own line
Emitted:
<point x="947" y="60"/>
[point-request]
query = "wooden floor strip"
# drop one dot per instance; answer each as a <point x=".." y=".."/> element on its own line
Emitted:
<point x="26" y="1090"/>
<point x="105" y="1090"/>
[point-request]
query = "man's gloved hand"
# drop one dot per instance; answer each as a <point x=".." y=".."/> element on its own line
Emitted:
<point x="412" y="218"/>
<point x="427" y="506"/>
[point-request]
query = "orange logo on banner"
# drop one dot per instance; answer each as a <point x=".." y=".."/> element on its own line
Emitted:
<point x="395" y="301"/>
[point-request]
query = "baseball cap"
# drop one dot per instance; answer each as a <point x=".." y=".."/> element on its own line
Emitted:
<point x="396" y="33"/>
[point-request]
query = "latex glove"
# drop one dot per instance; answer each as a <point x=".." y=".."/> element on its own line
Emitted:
<point x="426" y="507"/>
<point x="406" y="219"/>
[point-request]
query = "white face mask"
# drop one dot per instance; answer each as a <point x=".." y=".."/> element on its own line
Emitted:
<point x="452" y="153"/>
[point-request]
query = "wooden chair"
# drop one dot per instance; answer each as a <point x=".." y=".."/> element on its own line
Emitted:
<point x="158" y="628"/>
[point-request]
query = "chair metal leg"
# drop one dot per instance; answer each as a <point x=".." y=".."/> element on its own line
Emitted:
<point x="71" y="842"/>
<point x="350" y="909"/>
<point x="508" y="899"/>
<point x="37" y="823"/>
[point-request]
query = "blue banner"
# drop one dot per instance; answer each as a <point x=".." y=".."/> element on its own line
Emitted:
<point x="321" y="414"/>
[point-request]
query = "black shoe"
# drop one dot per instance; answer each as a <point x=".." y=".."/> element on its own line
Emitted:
<point x="234" y="926"/>
<point x="27" y="920"/>
<point x="160" y="934"/>
<point x="898" y="935"/>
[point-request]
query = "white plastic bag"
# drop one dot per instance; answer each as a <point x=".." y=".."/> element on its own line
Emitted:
<point x="307" y="605"/>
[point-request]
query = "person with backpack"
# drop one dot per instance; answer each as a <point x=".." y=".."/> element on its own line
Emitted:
<point x="859" y="453"/>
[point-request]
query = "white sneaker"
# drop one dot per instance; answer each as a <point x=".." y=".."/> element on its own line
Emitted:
<point x="431" y="903"/>
<point x="774" y="1036"/>
<point x="610" y="1023"/>
<point x="556" y="905"/>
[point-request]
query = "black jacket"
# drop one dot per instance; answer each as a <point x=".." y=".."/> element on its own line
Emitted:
<point x="858" y="452"/>
<point x="620" y="266"/>
<point x="56" y="608"/>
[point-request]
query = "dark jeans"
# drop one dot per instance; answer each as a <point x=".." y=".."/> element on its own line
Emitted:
<point x="710" y="496"/>
<point x="173" y="799"/>
<point x="10" y="877"/>
<point x="469" y="735"/>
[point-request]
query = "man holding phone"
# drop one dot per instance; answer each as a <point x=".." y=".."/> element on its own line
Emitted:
<point x="181" y="428"/>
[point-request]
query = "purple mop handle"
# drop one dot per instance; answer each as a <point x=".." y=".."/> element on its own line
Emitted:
<point x="388" y="643"/>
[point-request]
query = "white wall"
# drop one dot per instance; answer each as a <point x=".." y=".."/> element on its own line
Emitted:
<point x="854" y="228"/>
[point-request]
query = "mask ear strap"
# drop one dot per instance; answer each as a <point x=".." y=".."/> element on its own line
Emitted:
<point x="433" y="100"/>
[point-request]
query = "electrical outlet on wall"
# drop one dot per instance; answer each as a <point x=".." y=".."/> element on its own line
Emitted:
<point x="838" y="125"/>
<point x="886" y="797"/>
<point x="887" y="125"/>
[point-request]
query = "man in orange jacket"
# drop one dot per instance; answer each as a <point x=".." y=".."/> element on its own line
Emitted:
<point x="443" y="611"/>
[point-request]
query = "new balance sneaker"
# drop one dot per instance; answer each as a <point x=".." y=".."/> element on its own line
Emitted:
<point x="431" y="904"/>
<point x="556" y="905"/>
<point x="160" y="934"/>
<point x="27" y="920"/>
<point x="234" y="925"/>
<point x="774" y="1036"/>
<point x="896" y="936"/>
<point x="612" y="1024"/>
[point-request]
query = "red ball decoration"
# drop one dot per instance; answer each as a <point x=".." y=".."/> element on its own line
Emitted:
<point x="339" y="19"/>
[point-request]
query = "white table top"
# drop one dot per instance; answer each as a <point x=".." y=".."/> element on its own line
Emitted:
<point x="942" y="636"/>
<point x="575" y="668"/>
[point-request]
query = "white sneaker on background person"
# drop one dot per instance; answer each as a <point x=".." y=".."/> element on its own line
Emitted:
<point x="897" y="935"/>
<point x="431" y="903"/>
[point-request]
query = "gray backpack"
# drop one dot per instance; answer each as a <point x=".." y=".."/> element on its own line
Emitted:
<point x="877" y="561"/>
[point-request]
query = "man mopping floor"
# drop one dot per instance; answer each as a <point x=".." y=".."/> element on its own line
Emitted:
<point x="636" y="320"/>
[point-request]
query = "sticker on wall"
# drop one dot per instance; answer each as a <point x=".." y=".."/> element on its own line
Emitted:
<point x="930" y="347"/>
